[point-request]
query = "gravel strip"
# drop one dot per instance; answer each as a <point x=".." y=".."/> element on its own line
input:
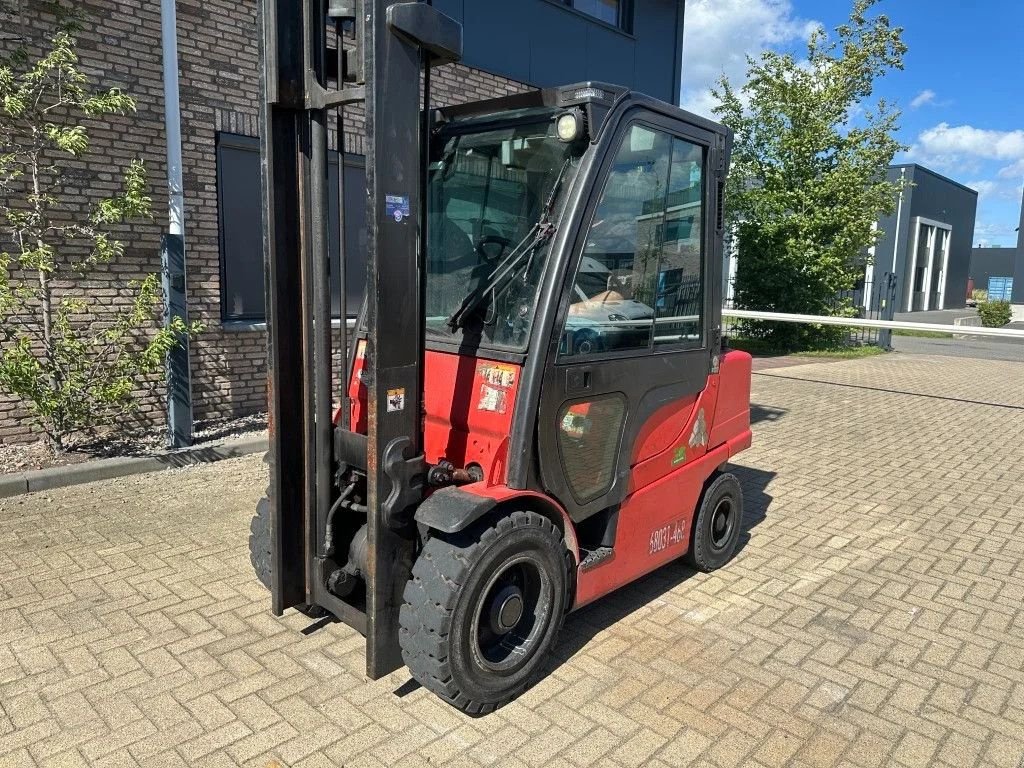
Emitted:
<point x="26" y="457"/>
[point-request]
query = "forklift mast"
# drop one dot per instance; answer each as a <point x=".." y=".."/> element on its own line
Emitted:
<point x="394" y="43"/>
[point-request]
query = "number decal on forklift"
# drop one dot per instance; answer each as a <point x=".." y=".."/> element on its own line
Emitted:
<point x="667" y="536"/>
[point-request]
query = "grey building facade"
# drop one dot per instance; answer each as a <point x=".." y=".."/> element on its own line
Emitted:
<point x="922" y="259"/>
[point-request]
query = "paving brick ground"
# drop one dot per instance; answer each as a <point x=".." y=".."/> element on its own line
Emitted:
<point x="873" y="616"/>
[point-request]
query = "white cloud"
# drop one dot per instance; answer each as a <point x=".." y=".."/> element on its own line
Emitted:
<point x="987" y="230"/>
<point x="1012" y="171"/>
<point x="720" y="34"/>
<point x="927" y="96"/>
<point x="945" y="140"/>
<point x="984" y="187"/>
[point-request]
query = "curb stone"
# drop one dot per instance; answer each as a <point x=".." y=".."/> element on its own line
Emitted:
<point x="19" y="483"/>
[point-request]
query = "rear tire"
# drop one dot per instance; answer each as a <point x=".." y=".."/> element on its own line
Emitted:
<point x="483" y="609"/>
<point x="716" y="526"/>
<point x="259" y="553"/>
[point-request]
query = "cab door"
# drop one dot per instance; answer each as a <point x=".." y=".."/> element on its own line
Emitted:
<point x="638" y="320"/>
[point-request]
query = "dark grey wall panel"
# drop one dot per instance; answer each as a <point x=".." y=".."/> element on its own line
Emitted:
<point x="656" y="26"/>
<point x="544" y="43"/>
<point x="241" y="228"/>
<point x="610" y="56"/>
<point x="557" y="43"/>
<point x="496" y="40"/>
<point x="993" y="262"/>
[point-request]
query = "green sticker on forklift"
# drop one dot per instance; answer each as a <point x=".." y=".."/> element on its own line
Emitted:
<point x="680" y="455"/>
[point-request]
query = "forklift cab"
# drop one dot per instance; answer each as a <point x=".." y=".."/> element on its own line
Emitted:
<point x="537" y="408"/>
<point x="598" y="212"/>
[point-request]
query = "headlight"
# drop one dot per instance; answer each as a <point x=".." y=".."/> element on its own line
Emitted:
<point x="569" y="126"/>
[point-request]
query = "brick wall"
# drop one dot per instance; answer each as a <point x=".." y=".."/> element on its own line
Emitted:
<point x="217" y="49"/>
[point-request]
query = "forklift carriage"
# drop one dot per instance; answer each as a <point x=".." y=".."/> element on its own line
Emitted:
<point x="536" y="407"/>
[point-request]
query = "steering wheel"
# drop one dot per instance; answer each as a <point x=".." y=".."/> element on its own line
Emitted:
<point x="504" y="242"/>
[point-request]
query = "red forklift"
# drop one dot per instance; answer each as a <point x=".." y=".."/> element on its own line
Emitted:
<point x="534" y="407"/>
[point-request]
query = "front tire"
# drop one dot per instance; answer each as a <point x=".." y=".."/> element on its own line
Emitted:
<point x="483" y="609"/>
<point x="716" y="526"/>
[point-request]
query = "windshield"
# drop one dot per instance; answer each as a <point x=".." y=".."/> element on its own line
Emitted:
<point x="487" y="193"/>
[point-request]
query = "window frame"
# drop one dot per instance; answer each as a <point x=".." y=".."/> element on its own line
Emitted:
<point x="229" y="140"/>
<point x="246" y="143"/>
<point x="623" y="25"/>
<point x="583" y="500"/>
<point x="693" y="135"/>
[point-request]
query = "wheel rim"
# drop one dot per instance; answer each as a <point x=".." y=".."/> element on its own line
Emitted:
<point x="511" y="615"/>
<point x="723" y="522"/>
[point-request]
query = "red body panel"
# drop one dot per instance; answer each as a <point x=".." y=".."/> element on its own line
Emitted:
<point x="678" y="450"/>
<point x="668" y="475"/>
<point x="468" y="405"/>
<point x="356" y="393"/>
<point x="502" y="494"/>
<point x="732" y="411"/>
<point x="654" y="528"/>
<point x="663" y="429"/>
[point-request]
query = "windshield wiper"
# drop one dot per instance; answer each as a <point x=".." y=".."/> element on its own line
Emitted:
<point x="539" y="234"/>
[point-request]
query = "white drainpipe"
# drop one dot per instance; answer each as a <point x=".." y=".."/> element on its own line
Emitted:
<point x="172" y="117"/>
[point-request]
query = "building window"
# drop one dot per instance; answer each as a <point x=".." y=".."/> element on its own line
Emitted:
<point x="240" y="204"/>
<point x="614" y="12"/>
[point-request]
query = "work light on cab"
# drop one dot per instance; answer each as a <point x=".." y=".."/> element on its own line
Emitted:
<point x="569" y="125"/>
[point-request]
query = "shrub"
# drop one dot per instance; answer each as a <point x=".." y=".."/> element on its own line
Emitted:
<point x="74" y="363"/>
<point x="995" y="314"/>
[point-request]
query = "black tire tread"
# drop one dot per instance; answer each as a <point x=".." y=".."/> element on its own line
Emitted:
<point x="259" y="548"/>
<point x="431" y="595"/>
<point x="695" y="556"/>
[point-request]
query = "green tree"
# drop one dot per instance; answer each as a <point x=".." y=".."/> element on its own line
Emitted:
<point x="73" y="363"/>
<point x="808" y="176"/>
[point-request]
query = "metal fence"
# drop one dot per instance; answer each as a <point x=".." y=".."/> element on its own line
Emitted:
<point x="868" y="300"/>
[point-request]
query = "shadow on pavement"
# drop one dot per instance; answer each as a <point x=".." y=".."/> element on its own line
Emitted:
<point x="759" y="413"/>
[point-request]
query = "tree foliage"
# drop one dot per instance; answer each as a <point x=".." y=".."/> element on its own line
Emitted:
<point x="75" y="364"/>
<point x="808" y="177"/>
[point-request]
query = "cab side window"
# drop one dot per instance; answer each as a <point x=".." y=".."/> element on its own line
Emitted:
<point x="612" y="303"/>
<point x="639" y="282"/>
<point x="679" y="308"/>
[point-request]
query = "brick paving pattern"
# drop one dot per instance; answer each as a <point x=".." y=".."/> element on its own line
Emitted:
<point x="873" y="616"/>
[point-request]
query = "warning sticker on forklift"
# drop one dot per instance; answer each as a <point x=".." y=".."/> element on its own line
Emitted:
<point x="396" y="399"/>
<point x="396" y="207"/>
<point x="498" y="375"/>
<point x="492" y="399"/>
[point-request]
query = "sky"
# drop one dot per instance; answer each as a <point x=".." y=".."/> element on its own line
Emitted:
<point x="961" y="91"/>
